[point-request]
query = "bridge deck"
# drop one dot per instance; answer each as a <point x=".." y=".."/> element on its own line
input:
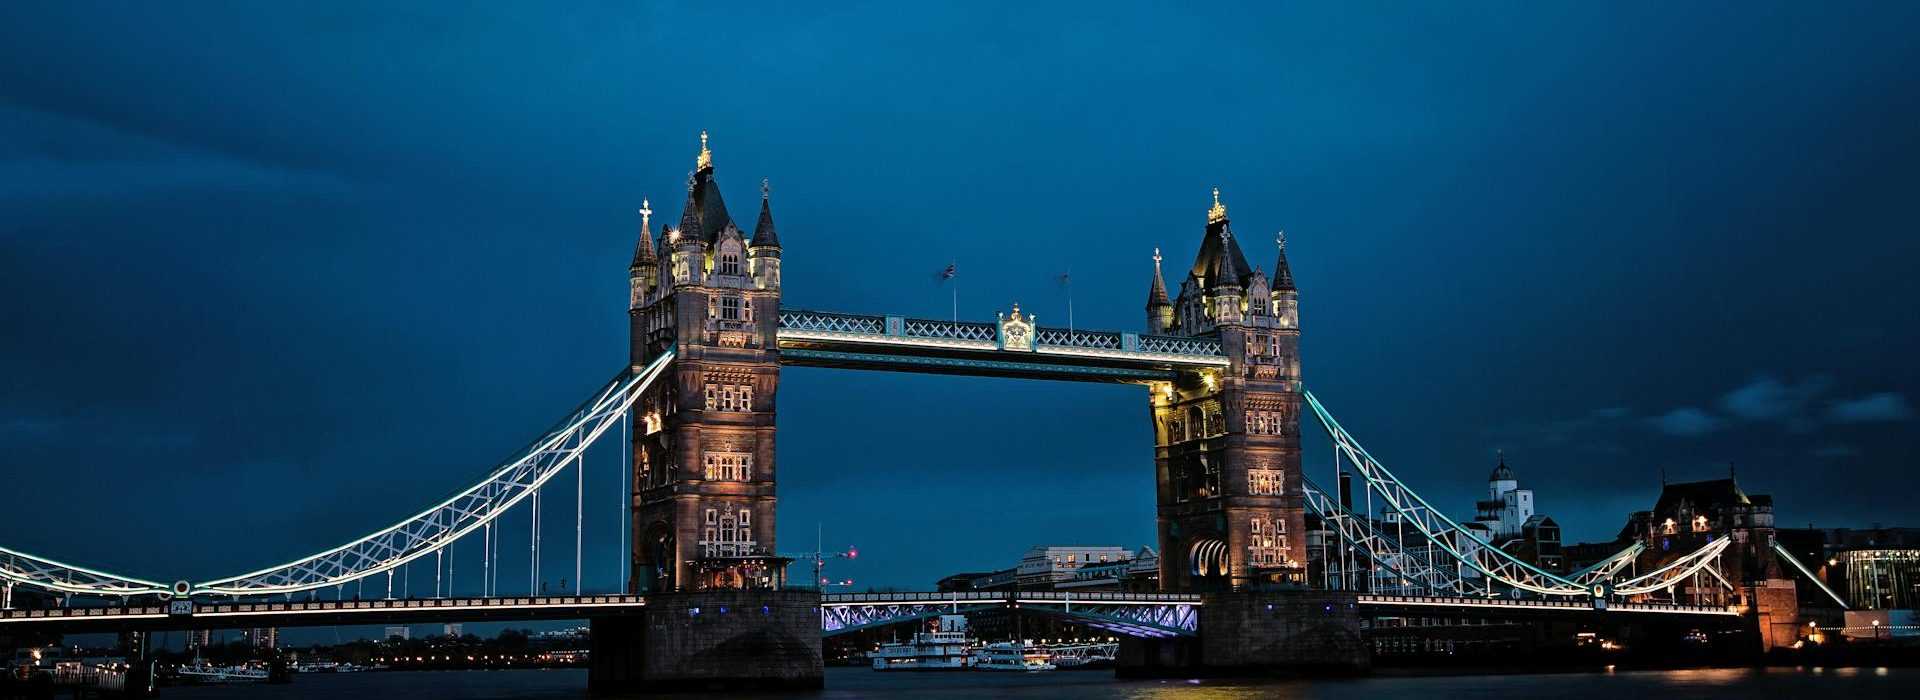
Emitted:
<point x="182" y="615"/>
<point x="1134" y="613"/>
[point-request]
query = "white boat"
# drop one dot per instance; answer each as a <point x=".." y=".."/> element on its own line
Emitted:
<point x="202" y="673"/>
<point x="1012" y="656"/>
<point x="945" y="648"/>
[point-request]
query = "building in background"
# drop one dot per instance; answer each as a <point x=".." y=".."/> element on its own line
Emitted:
<point x="1506" y="519"/>
<point x="1067" y="568"/>
<point x="453" y="629"/>
<point x="264" y="638"/>
<point x="402" y="632"/>
<point x="1867" y="568"/>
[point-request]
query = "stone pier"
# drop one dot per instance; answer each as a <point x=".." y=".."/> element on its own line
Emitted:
<point x="710" y="640"/>
<point x="1291" y="632"/>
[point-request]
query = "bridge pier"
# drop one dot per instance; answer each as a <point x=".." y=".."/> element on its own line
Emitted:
<point x="1286" y="632"/>
<point x="710" y="640"/>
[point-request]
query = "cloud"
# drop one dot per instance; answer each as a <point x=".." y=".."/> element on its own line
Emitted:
<point x="1685" y="421"/>
<point x="1768" y="399"/>
<point x="1885" y="406"/>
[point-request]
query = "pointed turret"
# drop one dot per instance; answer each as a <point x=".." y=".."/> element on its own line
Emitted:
<point x="1159" y="307"/>
<point x="1282" y="273"/>
<point x="690" y="229"/>
<point x="1227" y="272"/>
<point x="643" y="253"/>
<point x="708" y="205"/>
<point x="763" y="233"/>
<point x="646" y="263"/>
<point x="1214" y="247"/>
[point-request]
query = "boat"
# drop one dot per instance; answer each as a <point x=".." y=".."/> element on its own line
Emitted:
<point x="1012" y="656"/>
<point x="944" y="648"/>
<point x="204" y="673"/>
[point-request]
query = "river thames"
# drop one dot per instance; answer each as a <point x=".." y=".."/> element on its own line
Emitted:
<point x="1838" y="683"/>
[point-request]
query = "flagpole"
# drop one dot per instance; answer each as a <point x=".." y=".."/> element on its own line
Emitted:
<point x="956" y="302"/>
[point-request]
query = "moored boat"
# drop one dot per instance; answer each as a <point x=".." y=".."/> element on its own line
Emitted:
<point x="944" y="648"/>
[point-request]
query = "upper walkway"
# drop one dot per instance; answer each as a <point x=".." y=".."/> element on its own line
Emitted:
<point x="1007" y="348"/>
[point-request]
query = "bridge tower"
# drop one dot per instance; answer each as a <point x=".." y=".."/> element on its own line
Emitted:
<point x="1227" y="442"/>
<point x="703" y="443"/>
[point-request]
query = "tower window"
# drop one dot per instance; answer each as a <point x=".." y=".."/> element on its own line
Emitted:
<point x="729" y="466"/>
<point x="729" y="397"/>
<point x="729" y="263"/>
<point x="1265" y="482"/>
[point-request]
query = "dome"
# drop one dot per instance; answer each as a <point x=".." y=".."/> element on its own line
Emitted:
<point x="1501" y="472"/>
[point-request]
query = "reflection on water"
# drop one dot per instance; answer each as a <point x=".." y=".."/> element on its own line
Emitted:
<point x="1833" y="684"/>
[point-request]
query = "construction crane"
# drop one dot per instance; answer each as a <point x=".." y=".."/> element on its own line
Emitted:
<point x="819" y="558"/>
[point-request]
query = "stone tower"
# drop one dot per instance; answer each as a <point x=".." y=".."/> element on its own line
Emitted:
<point x="703" y="439"/>
<point x="1227" y="453"/>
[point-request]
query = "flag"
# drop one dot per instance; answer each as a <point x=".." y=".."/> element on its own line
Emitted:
<point x="1065" y="279"/>
<point x="946" y="274"/>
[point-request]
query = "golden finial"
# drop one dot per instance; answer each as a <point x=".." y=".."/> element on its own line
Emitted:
<point x="706" y="157"/>
<point x="1219" y="211"/>
<point x="646" y="213"/>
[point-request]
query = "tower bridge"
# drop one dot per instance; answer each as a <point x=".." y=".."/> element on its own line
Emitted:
<point x="1259" y="566"/>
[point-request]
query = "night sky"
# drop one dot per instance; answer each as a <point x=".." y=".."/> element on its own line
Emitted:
<point x="276" y="277"/>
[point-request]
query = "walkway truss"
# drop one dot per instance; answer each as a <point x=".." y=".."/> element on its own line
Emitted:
<point x="426" y="533"/>
<point x="1413" y="548"/>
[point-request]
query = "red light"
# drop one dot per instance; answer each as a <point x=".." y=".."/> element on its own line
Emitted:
<point x="853" y="553"/>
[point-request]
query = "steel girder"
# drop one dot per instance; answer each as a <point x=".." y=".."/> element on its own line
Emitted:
<point x="1498" y="564"/>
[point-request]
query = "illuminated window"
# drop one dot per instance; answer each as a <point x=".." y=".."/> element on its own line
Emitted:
<point x="1265" y="482"/>
<point x="729" y="397"/>
<point x="732" y="534"/>
<point x="730" y="308"/>
<point x="730" y="263"/>
<point x="1267" y="544"/>
<point x="729" y="466"/>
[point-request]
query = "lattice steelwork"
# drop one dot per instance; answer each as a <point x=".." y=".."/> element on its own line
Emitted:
<point x="1152" y="615"/>
<point x="467" y="511"/>
<point x="1434" y="529"/>
<point x="1093" y="340"/>
<point x="27" y="569"/>
<point x="955" y="330"/>
<point x="832" y="322"/>
<point x="1179" y="346"/>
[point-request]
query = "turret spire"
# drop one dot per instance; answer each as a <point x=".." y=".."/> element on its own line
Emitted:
<point x="1218" y="213"/>
<point x="643" y="253"/>
<point x="690" y="215"/>
<point x="1282" y="273"/>
<point x="763" y="233"/>
<point x="1157" y="291"/>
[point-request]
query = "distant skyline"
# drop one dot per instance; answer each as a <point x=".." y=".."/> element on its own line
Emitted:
<point x="278" y="276"/>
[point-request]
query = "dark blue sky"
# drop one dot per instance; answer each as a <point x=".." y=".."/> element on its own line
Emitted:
<point x="275" y="277"/>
